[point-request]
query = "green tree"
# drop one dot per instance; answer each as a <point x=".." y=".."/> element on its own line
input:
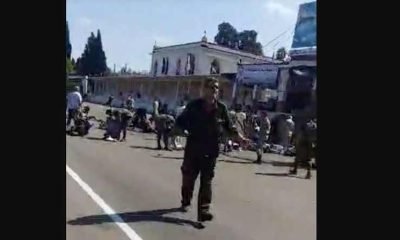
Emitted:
<point x="69" y="66"/>
<point x="227" y="35"/>
<point x="246" y="40"/>
<point x="93" y="59"/>
<point x="68" y="43"/>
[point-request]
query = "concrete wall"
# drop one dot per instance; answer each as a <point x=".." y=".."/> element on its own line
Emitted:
<point x="170" y="90"/>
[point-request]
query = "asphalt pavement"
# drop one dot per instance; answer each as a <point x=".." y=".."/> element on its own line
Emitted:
<point x="129" y="190"/>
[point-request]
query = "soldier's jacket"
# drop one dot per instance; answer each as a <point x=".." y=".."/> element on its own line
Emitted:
<point x="265" y="126"/>
<point x="205" y="127"/>
<point x="164" y="122"/>
<point x="126" y="115"/>
<point x="307" y="136"/>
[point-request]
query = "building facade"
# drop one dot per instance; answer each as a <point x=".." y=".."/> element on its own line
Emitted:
<point x="199" y="58"/>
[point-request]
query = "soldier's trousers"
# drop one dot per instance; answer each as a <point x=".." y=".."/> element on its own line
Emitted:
<point x="71" y="115"/>
<point x="193" y="165"/>
<point x="165" y="137"/>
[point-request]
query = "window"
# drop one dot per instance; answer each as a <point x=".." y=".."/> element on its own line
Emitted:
<point x="155" y="68"/>
<point x="214" y="69"/>
<point x="190" y="64"/>
<point x="178" y="67"/>
<point x="164" y="68"/>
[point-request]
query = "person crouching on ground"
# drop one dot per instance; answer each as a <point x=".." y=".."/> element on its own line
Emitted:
<point x="113" y="127"/>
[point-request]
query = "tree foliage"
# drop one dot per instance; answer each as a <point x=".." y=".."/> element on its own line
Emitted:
<point x="93" y="59"/>
<point x="68" y="44"/>
<point x="69" y="66"/>
<point x="246" y="40"/>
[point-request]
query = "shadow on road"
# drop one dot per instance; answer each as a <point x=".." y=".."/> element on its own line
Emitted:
<point x="150" y="139"/>
<point x="141" y="216"/>
<point x="279" y="175"/>
<point x="95" y="138"/>
<point x="233" y="161"/>
<point x="166" y="157"/>
<point x="143" y="147"/>
<point x="250" y="161"/>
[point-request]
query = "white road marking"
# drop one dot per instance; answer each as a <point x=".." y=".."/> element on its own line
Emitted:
<point x="132" y="235"/>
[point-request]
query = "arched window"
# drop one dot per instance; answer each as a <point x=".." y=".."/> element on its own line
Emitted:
<point x="190" y="64"/>
<point x="178" y="67"/>
<point x="164" y="68"/>
<point x="167" y="66"/>
<point x="155" y="68"/>
<point x="214" y="69"/>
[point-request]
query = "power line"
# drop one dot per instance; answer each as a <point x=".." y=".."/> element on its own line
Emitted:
<point x="281" y="34"/>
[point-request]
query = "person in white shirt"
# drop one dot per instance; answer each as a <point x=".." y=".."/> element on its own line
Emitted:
<point x="74" y="102"/>
<point x="177" y="140"/>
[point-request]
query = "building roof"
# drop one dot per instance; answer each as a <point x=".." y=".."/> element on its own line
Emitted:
<point x="217" y="47"/>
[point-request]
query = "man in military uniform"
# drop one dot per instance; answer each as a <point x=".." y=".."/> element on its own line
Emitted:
<point x="126" y="118"/>
<point x="164" y="123"/>
<point x="205" y="119"/>
<point x="305" y="138"/>
<point x="264" y="128"/>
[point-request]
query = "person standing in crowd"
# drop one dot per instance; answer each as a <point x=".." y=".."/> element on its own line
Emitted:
<point x="205" y="119"/>
<point x="177" y="140"/>
<point x="74" y="102"/>
<point x="129" y="103"/>
<point x="285" y="129"/>
<point x="156" y="107"/>
<point x="126" y="117"/>
<point x="164" y="123"/>
<point x="141" y="112"/>
<point x="306" y="137"/>
<point x="264" y="127"/>
<point x="290" y="125"/>
<point x="240" y="120"/>
<point x="109" y="101"/>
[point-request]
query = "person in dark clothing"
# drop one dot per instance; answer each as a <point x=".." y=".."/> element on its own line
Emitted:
<point x="126" y="117"/>
<point x="205" y="120"/>
<point x="305" y="139"/>
<point x="113" y="126"/>
<point x="163" y="126"/>
<point x="110" y="100"/>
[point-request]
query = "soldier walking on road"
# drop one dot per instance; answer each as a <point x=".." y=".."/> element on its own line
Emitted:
<point x="264" y="128"/>
<point x="205" y="119"/>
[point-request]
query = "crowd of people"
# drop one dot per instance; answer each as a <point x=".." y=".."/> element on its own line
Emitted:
<point x="207" y="124"/>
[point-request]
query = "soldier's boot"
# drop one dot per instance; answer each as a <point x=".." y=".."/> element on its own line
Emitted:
<point x="259" y="156"/>
<point x="205" y="216"/>
<point x="203" y="213"/>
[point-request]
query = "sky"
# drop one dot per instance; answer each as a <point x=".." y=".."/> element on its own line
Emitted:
<point x="129" y="28"/>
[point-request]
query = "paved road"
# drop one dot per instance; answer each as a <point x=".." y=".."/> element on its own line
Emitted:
<point x="142" y="186"/>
